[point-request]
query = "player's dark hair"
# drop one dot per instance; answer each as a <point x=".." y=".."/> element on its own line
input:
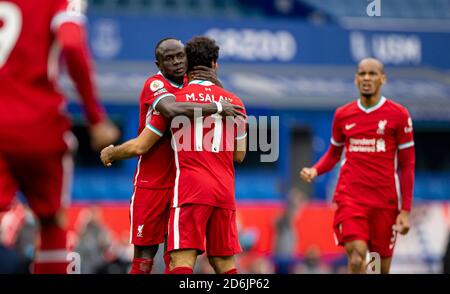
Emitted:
<point x="159" y="44"/>
<point x="201" y="50"/>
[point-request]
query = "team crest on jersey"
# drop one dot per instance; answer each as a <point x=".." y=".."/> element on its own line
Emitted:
<point x="381" y="127"/>
<point x="156" y="85"/>
<point x="381" y="145"/>
<point x="139" y="233"/>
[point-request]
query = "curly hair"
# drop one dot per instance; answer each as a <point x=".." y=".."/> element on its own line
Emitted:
<point x="201" y="50"/>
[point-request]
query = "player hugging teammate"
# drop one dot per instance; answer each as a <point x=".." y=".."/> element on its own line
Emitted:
<point x="192" y="184"/>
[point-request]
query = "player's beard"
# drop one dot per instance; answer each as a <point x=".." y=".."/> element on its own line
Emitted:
<point x="368" y="95"/>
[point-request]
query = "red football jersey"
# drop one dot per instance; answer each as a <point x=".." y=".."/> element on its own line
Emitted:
<point x="203" y="149"/>
<point x="156" y="168"/>
<point x="372" y="138"/>
<point x="32" y="109"/>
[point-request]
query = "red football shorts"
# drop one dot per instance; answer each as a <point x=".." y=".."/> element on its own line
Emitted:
<point x="373" y="225"/>
<point x="149" y="215"/>
<point x="44" y="179"/>
<point x="191" y="225"/>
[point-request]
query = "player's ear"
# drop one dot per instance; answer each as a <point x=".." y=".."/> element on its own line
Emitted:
<point x="157" y="63"/>
<point x="383" y="79"/>
<point x="214" y="65"/>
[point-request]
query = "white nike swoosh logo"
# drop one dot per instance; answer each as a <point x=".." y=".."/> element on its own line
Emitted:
<point x="348" y="127"/>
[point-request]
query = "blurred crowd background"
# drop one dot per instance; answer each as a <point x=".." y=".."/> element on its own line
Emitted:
<point x="291" y="59"/>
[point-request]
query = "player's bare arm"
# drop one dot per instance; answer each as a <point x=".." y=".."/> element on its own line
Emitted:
<point x="130" y="148"/>
<point x="240" y="149"/>
<point x="170" y="108"/>
<point x="240" y="143"/>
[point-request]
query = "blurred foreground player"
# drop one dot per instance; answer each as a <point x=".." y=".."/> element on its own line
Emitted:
<point x="373" y="200"/>
<point x="36" y="145"/>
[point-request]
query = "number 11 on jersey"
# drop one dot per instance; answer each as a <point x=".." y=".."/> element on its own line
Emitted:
<point x="217" y="132"/>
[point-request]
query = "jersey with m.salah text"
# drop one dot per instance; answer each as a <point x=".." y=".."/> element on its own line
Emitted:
<point x="203" y="149"/>
<point x="32" y="111"/>
<point x="156" y="168"/>
<point x="372" y="137"/>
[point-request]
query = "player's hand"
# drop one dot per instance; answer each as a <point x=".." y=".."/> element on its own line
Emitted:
<point x="103" y="134"/>
<point x="229" y="109"/>
<point x="308" y="174"/>
<point x="106" y="155"/>
<point x="201" y="72"/>
<point x="402" y="224"/>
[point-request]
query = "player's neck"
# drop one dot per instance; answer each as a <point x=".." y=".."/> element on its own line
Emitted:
<point x="370" y="101"/>
<point x="190" y="79"/>
<point x="178" y="81"/>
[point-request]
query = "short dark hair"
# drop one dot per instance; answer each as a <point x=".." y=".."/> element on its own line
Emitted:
<point x="201" y="50"/>
<point x="159" y="44"/>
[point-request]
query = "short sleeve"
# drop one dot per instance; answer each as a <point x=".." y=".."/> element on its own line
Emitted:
<point x="155" y="90"/>
<point x="241" y="125"/>
<point x="157" y="122"/>
<point x="241" y="128"/>
<point x="405" y="137"/>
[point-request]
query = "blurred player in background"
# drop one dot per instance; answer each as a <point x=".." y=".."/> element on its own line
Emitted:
<point x="36" y="145"/>
<point x="373" y="201"/>
<point x="155" y="173"/>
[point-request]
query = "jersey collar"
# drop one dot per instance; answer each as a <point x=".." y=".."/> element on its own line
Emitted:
<point x="372" y="108"/>
<point x="201" y="82"/>
<point x="175" y="85"/>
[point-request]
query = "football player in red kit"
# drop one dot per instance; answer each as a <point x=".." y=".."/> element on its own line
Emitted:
<point x="375" y="187"/>
<point x="36" y="144"/>
<point x="203" y="205"/>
